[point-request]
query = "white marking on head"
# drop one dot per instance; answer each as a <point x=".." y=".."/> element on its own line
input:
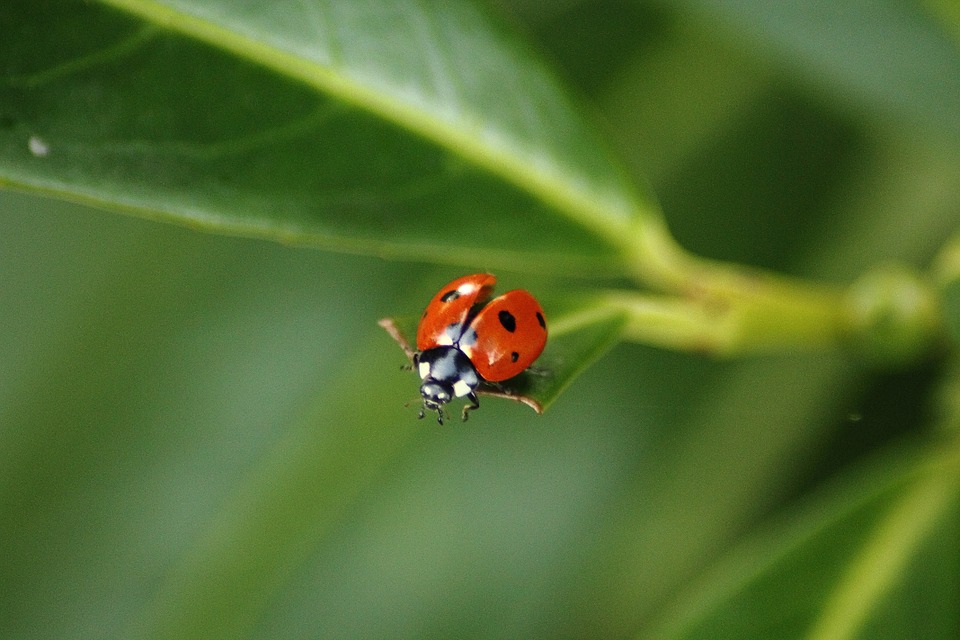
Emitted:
<point x="460" y="388"/>
<point x="424" y="370"/>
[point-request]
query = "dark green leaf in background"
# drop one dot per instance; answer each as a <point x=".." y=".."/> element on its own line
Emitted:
<point x="870" y="556"/>
<point x="894" y="57"/>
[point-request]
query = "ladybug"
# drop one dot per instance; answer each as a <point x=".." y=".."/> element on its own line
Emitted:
<point x="465" y="340"/>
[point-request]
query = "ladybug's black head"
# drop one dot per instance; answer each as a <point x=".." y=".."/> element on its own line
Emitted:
<point x="435" y="395"/>
<point x="447" y="373"/>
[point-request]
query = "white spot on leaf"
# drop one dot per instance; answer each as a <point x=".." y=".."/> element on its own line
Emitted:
<point x="38" y="147"/>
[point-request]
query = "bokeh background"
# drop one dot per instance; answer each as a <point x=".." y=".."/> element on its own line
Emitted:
<point x="205" y="436"/>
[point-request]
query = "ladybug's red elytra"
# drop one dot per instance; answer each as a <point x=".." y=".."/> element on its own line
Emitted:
<point x="464" y="339"/>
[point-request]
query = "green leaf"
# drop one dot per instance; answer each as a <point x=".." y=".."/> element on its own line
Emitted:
<point x="828" y="575"/>
<point x="398" y="128"/>
<point x="889" y="57"/>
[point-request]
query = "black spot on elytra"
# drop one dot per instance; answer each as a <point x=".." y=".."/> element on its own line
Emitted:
<point x="449" y="296"/>
<point x="514" y="356"/>
<point x="543" y="323"/>
<point x="507" y="320"/>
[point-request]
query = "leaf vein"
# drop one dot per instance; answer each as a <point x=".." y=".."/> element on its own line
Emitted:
<point x="116" y="51"/>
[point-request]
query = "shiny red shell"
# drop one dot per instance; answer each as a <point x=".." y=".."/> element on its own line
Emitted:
<point x="501" y="337"/>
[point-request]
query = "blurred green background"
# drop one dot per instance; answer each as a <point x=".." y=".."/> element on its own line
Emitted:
<point x="203" y="436"/>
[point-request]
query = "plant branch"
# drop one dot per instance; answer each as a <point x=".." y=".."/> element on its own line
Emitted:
<point x="726" y="310"/>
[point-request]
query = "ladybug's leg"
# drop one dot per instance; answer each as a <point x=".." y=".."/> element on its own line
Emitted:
<point x="413" y="365"/>
<point x="474" y="404"/>
<point x="499" y="388"/>
<point x="420" y="416"/>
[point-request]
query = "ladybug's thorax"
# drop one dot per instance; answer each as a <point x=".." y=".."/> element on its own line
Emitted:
<point x="447" y="373"/>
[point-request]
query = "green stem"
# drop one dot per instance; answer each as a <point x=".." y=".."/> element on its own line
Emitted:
<point x="892" y="315"/>
<point x="726" y="309"/>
